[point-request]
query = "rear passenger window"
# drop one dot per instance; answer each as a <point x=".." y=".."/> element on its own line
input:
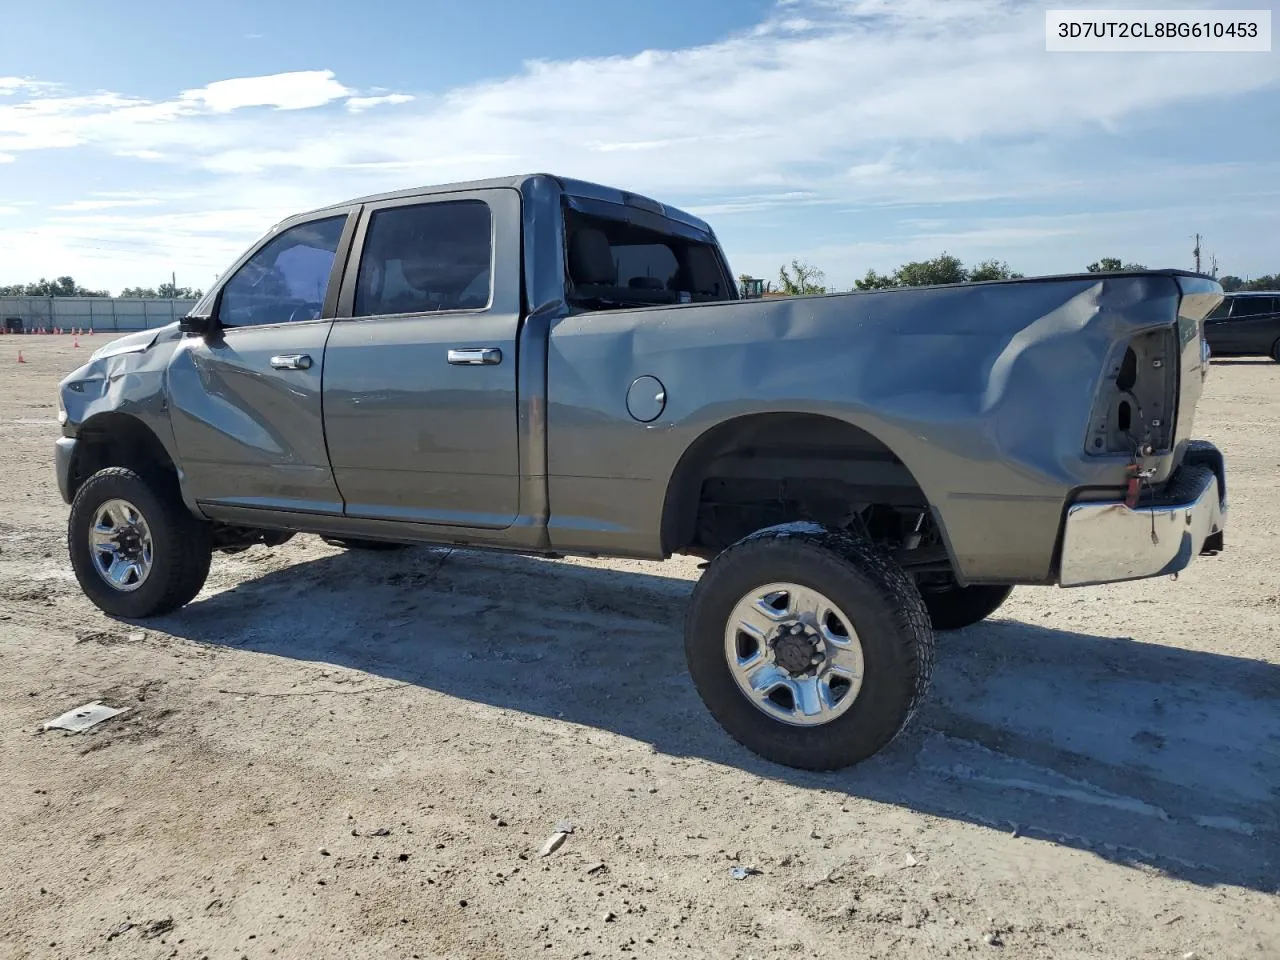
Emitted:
<point x="1252" y="307"/>
<point x="426" y="258"/>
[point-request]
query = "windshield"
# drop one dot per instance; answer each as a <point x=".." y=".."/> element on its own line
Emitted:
<point x="612" y="263"/>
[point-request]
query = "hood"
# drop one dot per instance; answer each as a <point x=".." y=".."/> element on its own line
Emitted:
<point x="138" y="342"/>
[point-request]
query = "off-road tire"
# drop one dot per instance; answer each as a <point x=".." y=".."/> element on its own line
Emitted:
<point x="1275" y="351"/>
<point x="886" y="611"/>
<point x="182" y="544"/>
<point x="964" y="606"/>
<point x="349" y="543"/>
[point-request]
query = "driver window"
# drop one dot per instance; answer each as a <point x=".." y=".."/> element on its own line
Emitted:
<point x="286" y="280"/>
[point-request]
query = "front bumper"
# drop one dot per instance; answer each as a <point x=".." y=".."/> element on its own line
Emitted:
<point x="64" y="449"/>
<point x="1107" y="542"/>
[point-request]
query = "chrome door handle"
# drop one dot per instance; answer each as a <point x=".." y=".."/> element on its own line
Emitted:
<point x="475" y="356"/>
<point x="292" y="361"/>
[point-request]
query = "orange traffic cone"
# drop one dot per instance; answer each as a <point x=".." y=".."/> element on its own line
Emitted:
<point x="20" y="360"/>
<point x="75" y="342"/>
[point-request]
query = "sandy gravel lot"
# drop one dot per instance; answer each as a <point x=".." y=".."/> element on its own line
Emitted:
<point x="344" y="755"/>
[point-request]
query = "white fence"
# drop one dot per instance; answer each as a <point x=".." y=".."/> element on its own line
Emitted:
<point x="91" y="313"/>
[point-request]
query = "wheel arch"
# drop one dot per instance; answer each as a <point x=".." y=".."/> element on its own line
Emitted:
<point x="811" y="434"/>
<point x="115" y="439"/>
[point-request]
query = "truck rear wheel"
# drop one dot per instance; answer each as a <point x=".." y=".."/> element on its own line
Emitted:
<point x="956" y="607"/>
<point x="136" y="549"/>
<point x="810" y="647"/>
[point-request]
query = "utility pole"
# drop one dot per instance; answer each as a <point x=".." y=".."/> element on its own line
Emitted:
<point x="173" y="284"/>
<point x="1197" y="253"/>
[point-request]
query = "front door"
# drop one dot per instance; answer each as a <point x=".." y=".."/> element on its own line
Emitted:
<point x="246" y="401"/>
<point x="420" y="372"/>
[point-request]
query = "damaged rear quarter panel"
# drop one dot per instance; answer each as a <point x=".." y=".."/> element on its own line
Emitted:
<point x="984" y="391"/>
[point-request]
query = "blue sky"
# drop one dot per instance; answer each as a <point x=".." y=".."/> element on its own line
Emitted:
<point x="855" y="134"/>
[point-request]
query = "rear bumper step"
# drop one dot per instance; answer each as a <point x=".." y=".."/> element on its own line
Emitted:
<point x="1107" y="542"/>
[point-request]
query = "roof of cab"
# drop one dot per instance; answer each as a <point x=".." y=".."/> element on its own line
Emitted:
<point x="577" y="188"/>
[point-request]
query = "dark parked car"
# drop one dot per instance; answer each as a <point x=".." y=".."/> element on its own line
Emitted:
<point x="1245" y="324"/>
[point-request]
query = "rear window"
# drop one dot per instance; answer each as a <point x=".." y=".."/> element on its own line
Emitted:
<point x="611" y="263"/>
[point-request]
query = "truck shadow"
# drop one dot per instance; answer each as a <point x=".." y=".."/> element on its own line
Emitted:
<point x="1142" y="754"/>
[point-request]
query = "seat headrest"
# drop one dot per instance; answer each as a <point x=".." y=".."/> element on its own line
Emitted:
<point x="590" y="258"/>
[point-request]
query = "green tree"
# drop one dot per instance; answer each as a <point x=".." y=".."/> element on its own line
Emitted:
<point x="1230" y="283"/>
<point x="1112" y="265"/>
<point x="169" y="292"/>
<point x="943" y="268"/>
<point x="139" y="292"/>
<point x="875" y="281"/>
<point x="1269" y="281"/>
<point x="992" y="270"/>
<point x="802" y="279"/>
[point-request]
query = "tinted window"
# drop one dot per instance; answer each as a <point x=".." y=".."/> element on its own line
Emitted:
<point x="425" y="258"/>
<point x="1252" y="307"/>
<point x="1221" y="310"/>
<point x="286" y="280"/>
<point x="644" y="265"/>
<point x="614" y="263"/>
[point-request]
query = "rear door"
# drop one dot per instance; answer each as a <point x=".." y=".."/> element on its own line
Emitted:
<point x="245" y="402"/>
<point x="420" y="370"/>
<point x="1253" y="323"/>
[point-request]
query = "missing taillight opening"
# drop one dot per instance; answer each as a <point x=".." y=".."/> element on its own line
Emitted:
<point x="1137" y="399"/>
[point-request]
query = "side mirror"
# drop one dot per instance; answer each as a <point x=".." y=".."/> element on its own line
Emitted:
<point x="199" y="325"/>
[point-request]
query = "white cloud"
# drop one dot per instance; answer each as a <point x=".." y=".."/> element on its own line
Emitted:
<point x="300" y="90"/>
<point x="12" y="85"/>
<point x="107" y="204"/>
<point x="839" y="106"/>
<point x="358" y="104"/>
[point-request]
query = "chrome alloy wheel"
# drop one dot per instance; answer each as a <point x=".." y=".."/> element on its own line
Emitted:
<point x="794" y="654"/>
<point x="120" y="544"/>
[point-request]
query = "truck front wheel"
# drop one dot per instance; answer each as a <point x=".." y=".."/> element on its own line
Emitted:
<point x="136" y="549"/>
<point x="810" y="647"/>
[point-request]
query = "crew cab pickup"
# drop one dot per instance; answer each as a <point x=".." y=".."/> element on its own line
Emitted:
<point x="548" y="366"/>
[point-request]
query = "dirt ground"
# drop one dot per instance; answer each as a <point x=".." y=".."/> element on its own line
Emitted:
<point x="353" y="755"/>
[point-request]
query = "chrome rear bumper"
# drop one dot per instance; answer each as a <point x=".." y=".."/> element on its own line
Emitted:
<point x="1106" y="542"/>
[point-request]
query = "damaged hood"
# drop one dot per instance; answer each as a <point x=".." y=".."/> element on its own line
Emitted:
<point x="138" y="342"/>
<point x="124" y="376"/>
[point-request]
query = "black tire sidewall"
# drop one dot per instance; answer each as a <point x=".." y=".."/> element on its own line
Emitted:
<point x="175" y="536"/>
<point x="962" y="607"/>
<point x="889" y="685"/>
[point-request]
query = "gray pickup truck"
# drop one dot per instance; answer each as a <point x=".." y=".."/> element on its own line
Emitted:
<point x="552" y="367"/>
